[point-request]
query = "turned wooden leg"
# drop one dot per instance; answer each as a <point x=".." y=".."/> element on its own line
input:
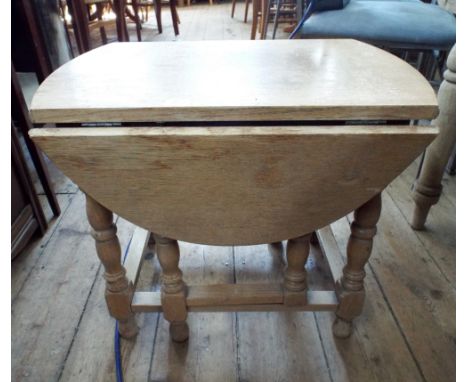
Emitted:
<point x="118" y="290"/>
<point x="351" y="286"/>
<point x="295" y="275"/>
<point x="173" y="290"/>
<point x="428" y="187"/>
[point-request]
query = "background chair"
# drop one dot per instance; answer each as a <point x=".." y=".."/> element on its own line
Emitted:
<point x="428" y="186"/>
<point x="408" y="25"/>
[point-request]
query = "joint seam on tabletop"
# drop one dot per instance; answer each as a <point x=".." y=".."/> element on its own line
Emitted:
<point x="54" y="229"/>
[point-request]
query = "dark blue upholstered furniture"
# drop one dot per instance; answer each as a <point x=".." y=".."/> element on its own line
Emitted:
<point x="405" y="24"/>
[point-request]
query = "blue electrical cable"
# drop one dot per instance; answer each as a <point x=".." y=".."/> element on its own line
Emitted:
<point x="118" y="361"/>
<point x="310" y="8"/>
<point x="318" y="6"/>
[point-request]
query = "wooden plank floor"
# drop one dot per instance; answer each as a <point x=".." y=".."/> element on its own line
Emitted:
<point x="61" y="330"/>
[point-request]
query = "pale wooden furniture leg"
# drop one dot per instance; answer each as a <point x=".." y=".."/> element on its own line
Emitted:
<point x="295" y="275"/>
<point x="119" y="292"/>
<point x="351" y="286"/>
<point x="173" y="290"/>
<point x="428" y="186"/>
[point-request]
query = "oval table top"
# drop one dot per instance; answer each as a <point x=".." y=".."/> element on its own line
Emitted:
<point x="275" y="80"/>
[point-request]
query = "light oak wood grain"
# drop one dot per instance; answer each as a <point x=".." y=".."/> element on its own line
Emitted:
<point x="376" y="333"/>
<point x="234" y="81"/>
<point x="209" y="354"/>
<point x="96" y="331"/>
<point x="118" y="289"/>
<point x="233" y="185"/>
<point x="135" y="253"/>
<point x="43" y="318"/>
<point x="206" y="299"/>
<point x="428" y="187"/>
<point x="422" y="300"/>
<point x="439" y="237"/>
<point x="275" y="346"/>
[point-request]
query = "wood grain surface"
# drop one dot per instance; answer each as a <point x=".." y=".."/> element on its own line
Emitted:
<point x="234" y="81"/>
<point x="227" y="186"/>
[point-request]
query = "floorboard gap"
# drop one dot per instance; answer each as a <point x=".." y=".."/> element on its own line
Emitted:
<point x="400" y="329"/>
<point x="154" y="346"/>
<point x="422" y="244"/>
<point x="77" y="327"/>
<point x="43" y="248"/>
<point x="323" y="348"/>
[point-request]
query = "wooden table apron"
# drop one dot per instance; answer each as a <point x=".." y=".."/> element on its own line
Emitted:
<point x="234" y="143"/>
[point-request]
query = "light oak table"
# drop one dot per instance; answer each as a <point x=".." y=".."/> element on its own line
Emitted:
<point x="215" y="143"/>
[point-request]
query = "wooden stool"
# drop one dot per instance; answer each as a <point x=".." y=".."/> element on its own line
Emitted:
<point x="248" y="168"/>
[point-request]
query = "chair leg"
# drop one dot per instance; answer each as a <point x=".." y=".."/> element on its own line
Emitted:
<point x="102" y="30"/>
<point x="119" y="292"/>
<point x="253" y="31"/>
<point x="266" y="19"/>
<point x="233" y="8"/>
<point x="263" y="6"/>
<point x="173" y="291"/>
<point x="157" y="11"/>
<point x="173" y="6"/>
<point x="351" y="286"/>
<point x="295" y="275"/>
<point x="119" y="9"/>
<point x="137" y="19"/>
<point x="428" y="186"/>
<point x="247" y="2"/>
<point x="275" y="25"/>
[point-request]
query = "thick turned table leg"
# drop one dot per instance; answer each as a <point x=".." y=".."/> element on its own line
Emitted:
<point x="428" y="186"/>
<point x="351" y="287"/>
<point x="118" y="291"/>
<point x="173" y="290"/>
<point x="295" y="275"/>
